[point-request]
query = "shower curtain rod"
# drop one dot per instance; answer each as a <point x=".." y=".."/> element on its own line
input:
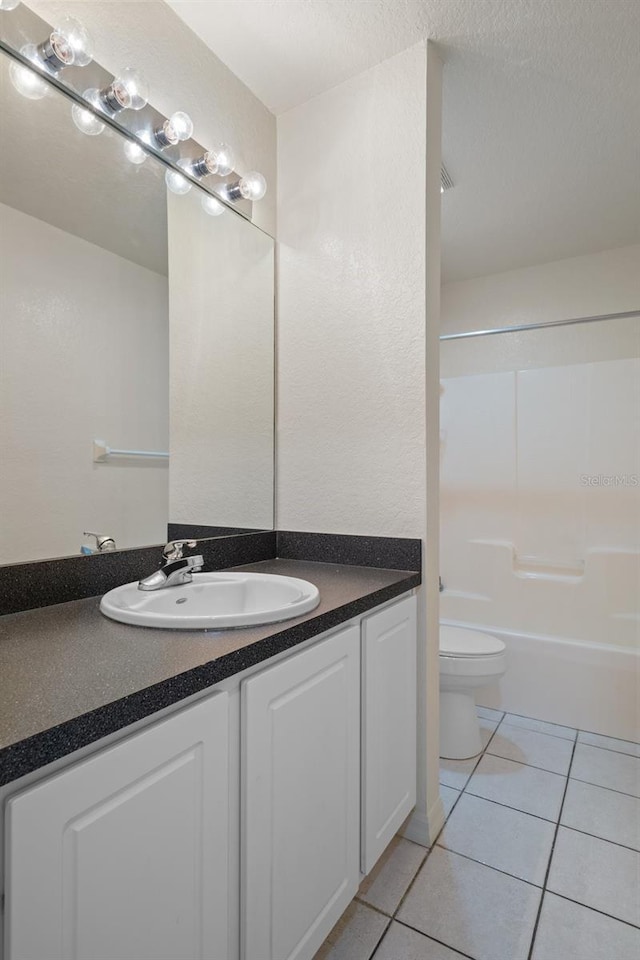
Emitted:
<point x="539" y="326"/>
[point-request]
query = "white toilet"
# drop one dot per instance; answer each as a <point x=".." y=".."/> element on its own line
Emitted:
<point x="468" y="659"/>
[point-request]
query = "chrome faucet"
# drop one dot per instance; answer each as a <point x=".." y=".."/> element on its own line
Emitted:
<point x="175" y="569"/>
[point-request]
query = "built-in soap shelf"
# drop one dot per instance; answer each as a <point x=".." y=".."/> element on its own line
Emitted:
<point x="533" y="567"/>
<point x="541" y="568"/>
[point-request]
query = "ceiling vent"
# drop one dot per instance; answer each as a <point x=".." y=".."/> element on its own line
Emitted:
<point x="445" y="180"/>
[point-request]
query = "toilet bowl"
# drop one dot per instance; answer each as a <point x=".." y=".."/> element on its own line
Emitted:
<point x="468" y="659"/>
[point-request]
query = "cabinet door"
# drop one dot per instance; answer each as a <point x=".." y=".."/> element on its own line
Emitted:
<point x="300" y="838"/>
<point x="124" y="855"/>
<point x="389" y="648"/>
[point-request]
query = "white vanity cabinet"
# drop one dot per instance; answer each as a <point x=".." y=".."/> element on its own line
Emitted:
<point x="235" y="828"/>
<point x="123" y="856"/>
<point x="389" y="682"/>
<point x="301" y="798"/>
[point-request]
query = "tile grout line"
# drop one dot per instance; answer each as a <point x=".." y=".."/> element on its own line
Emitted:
<point x="602" y="913"/>
<point x="536" y="816"/>
<point x="595" y="836"/>
<point x="382" y="936"/>
<point x="590" y="783"/>
<point x="498" y="803"/>
<point x="433" y="846"/>
<point x="489" y="866"/>
<point x="553" y="847"/>
<point x="428" y="936"/>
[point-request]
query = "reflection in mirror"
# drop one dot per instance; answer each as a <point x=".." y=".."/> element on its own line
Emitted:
<point x="84" y="345"/>
<point x="222" y="343"/>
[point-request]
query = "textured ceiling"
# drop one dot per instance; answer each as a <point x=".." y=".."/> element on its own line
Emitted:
<point x="541" y="106"/>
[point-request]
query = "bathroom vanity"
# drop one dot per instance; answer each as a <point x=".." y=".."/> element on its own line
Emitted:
<point x="234" y="822"/>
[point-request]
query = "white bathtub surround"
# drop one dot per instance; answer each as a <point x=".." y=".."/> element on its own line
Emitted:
<point x="540" y="486"/>
<point x="555" y="678"/>
<point x="357" y="326"/>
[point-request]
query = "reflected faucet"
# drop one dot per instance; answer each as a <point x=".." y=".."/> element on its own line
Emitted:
<point x="175" y="568"/>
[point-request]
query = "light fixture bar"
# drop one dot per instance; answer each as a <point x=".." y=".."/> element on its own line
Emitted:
<point x="22" y="22"/>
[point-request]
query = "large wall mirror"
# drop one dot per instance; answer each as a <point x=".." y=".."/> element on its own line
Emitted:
<point x="134" y="319"/>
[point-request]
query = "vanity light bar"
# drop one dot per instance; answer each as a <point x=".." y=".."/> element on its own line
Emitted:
<point x="69" y="44"/>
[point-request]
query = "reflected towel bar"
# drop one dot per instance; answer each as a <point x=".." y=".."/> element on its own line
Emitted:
<point x="102" y="452"/>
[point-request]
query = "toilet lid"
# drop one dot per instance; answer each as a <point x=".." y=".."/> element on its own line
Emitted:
<point x="459" y="642"/>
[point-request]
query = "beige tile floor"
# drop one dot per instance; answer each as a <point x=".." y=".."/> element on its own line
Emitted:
<point x="539" y="858"/>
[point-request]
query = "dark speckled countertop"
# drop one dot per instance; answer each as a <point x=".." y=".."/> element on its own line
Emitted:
<point x="69" y="675"/>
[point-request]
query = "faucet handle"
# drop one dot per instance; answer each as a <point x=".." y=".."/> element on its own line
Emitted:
<point x="173" y="549"/>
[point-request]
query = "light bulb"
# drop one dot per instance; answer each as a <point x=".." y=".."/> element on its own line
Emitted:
<point x="253" y="186"/>
<point x="212" y="206"/>
<point x="181" y="125"/>
<point x="27" y="82"/>
<point x="68" y="45"/>
<point x="220" y="160"/>
<point x="8" y="4"/>
<point x="224" y="159"/>
<point x="176" y="182"/>
<point x="134" y="152"/>
<point x="86" y="121"/>
<point x="178" y="127"/>
<point x="128" y="91"/>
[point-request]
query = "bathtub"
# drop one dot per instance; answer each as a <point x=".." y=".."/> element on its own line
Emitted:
<point x="591" y="686"/>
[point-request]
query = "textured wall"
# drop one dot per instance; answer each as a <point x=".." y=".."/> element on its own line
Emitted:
<point x="83" y="354"/>
<point x="358" y="216"/>
<point x="222" y="368"/>
<point x="184" y="75"/>
<point x="351" y="305"/>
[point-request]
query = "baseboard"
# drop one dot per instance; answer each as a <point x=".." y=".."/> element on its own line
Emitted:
<point x="423" y="829"/>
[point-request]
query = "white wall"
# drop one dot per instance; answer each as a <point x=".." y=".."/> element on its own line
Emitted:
<point x="352" y="420"/>
<point x="221" y="290"/>
<point x="351" y="305"/>
<point x="606" y="282"/>
<point x="531" y="547"/>
<point x="83" y="354"/>
<point x="183" y="74"/>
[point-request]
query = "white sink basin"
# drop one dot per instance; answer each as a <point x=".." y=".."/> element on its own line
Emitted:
<point x="213" y="601"/>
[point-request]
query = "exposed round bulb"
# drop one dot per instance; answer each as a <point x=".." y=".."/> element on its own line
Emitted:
<point x="27" y="82"/>
<point x="134" y="152"/>
<point x="68" y="45"/>
<point x="86" y="121"/>
<point x="253" y="186"/>
<point x="212" y="206"/>
<point x="176" y="182"/>
<point x="220" y="160"/>
<point x="181" y="125"/>
<point x="128" y="91"/>
<point x="8" y="4"/>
